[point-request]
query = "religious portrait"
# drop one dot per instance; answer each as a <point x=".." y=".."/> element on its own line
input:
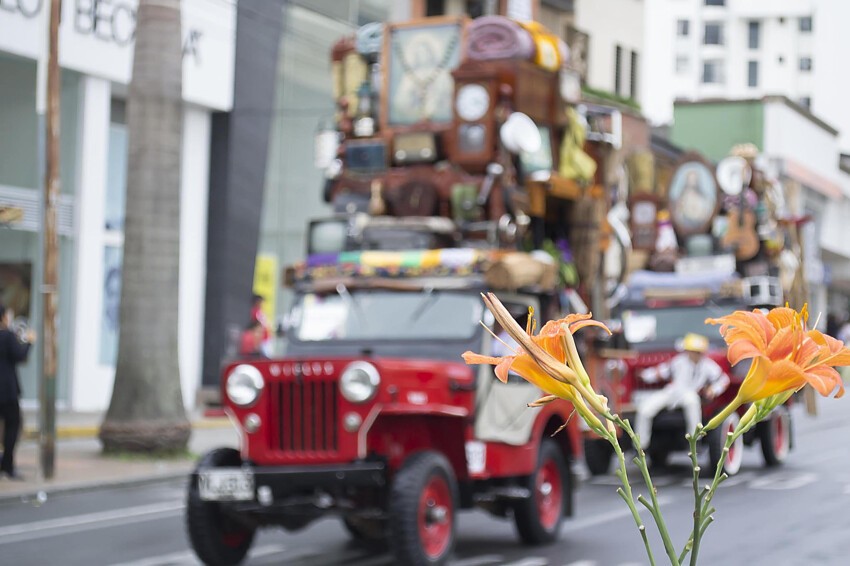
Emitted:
<point x="692" y="198"/>
<point x="419" y="82"/>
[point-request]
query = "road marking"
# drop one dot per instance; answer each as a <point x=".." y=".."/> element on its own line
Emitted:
<point x="76" y="523"/>
<point x="478" y="560"/>
<point x="783" y="480"/>
<point x="583" y="563"/>
<point x="607" y="517"/>
<point x="188" y="557"/>
<point x="533" y="561"/>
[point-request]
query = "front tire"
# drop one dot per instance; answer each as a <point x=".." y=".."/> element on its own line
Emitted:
<point x="217" y="539"/>
<point x="598" y="454"/>
<point x="538" y="519"/>
<point x="717" y="441"/>
<point x="775" y="436"/>
<point x="422" y="511"/>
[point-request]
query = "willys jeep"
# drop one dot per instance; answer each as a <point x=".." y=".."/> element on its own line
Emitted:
<point x="657" y="311"/>
<point x="372" y="416"/>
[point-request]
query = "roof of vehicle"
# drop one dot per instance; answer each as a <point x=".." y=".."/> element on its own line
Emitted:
<point x="646" y="287"/>
<point x="445" y="268"/>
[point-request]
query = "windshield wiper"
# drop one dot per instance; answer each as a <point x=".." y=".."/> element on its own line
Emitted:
<point x="426" y="301"/>
<point x="351" y="303"/>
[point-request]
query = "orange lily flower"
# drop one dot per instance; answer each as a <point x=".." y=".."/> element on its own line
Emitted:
<point x="785" y="354"/>
<point x="554" y="340"/>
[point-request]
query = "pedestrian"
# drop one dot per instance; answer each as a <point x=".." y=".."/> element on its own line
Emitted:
<point x="251" y="341"/>
<point x="257" y="315"/>
<point x="13" y="350"/>
<point x="689" y="372"/>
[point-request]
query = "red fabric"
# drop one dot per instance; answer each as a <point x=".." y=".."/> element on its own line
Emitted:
<point x="258" y="315"/>
<point x="248" y="343"/>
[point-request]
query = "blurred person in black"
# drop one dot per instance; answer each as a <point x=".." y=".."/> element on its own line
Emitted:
<point x="13" y="350"/>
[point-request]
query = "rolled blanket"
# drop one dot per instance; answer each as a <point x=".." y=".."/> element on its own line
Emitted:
<point x="497" y="37"/>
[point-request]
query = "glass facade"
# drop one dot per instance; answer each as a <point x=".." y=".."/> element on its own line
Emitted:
<point x="21" y="184"/>
<point x="303" y="100"/>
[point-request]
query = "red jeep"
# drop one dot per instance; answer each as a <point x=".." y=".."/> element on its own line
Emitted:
<point x="373" y="417"/>
<point x="658" y="309"/>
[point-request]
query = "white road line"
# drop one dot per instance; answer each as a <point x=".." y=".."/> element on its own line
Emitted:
<point x="77" y="523"/>
<point x="583" y="563"/>
<point x="533" y="561"/>
<point x="478" y="560"/>
<point x="188" y="557"/>
<point x="592" y="521"/>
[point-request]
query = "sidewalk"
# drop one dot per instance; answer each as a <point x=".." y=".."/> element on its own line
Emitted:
<point x="79" y="464"/>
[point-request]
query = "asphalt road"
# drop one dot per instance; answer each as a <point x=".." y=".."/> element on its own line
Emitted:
<point x="793" y="515"/>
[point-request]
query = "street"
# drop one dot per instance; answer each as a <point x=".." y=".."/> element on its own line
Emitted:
<point x="787" y="516"/>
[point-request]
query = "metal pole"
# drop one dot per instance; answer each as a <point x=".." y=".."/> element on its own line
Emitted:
<point x="49" y="288"/>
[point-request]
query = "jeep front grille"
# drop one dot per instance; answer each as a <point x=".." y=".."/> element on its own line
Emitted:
<point x="308" y="415"/>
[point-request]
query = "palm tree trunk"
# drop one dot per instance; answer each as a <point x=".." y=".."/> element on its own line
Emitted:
<point x="146" y="413"/>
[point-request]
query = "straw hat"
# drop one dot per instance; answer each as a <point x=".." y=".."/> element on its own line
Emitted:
<point x="695" y="343"/>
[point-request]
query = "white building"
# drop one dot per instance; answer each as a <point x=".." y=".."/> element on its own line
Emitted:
<point x="95" y="52"/>
<point x="615" y="55"/>
<point x="743" y="49"/>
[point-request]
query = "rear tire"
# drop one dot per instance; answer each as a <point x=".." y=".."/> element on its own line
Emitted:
<point x="598" y="454"/>
<point x="775" y="436"/>
<point x="538" y="519"/>
<point x="716" y="443"/>
<point x="217" y="539"/>
<point x="421" y="528"/>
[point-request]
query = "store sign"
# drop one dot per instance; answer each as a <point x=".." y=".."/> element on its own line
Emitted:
<point x="97" y="37"/>
<point x="26" y="8"/>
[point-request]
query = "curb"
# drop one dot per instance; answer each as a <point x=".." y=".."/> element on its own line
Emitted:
<point x="33" y="494"/>
<point x="69" y="432"/>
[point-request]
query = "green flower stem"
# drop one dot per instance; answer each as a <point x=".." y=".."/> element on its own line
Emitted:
<point x="704" y="518"/>
<point x="626" y="493"/>
<point x="698" y="494"/>
<point x="640" y="461"/>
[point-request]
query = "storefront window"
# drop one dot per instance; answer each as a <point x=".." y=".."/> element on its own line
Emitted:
<point x="116" y="174"/>
<point x="112" y="259"/>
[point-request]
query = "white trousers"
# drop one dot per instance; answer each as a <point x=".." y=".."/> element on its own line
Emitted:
<point x="670" y="398"/>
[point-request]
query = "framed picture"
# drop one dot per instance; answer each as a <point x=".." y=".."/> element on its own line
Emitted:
<point x="604" y="124"/>
<point x="692" y="196"/>
<point x="540" y="160"/>
<point x="420" y="57"/>
<point x="644" y="209"/>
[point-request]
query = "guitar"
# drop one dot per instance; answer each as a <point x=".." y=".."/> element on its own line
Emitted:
<point x="741" y="235"/>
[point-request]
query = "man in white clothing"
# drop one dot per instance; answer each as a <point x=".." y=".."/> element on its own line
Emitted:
<point x="689" y="372"/>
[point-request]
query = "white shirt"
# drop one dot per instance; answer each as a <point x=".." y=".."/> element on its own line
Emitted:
<point x="687" y="376"/>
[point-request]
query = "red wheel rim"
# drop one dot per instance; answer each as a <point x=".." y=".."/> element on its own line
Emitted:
<point x="736" y="451"/>
<point x="234" y="539"/>
<point x="779" y="439"/>
<point x="435" y="517"/>
<point x="549" y="494"/>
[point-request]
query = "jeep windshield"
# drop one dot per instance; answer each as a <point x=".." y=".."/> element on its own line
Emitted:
<point x="659" y="328"/>
<point x="361" y="315"/>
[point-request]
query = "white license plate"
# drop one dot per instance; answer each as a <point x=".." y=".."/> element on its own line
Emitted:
<point x="226" y="484"/>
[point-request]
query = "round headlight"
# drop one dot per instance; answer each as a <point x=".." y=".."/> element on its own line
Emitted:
<point x="244" y="385"/>
<point x="359" y="382"/>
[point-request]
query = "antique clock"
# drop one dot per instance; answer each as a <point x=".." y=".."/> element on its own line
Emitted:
<point x="474" y="135"/>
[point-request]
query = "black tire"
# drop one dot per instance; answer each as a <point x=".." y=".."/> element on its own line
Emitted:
<point x="717" y="441"/>
<point x="598" y="454"/>
<point x="658" y="457"/>
<point x="538" y="519"/>
<point x="370" y="532"/>
<point x="422" y="518"/>
<point x="217" y="539"/>
<point x="775" y="436"/>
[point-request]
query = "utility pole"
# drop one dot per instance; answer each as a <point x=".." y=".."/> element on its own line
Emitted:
<point x="50" y="279"/>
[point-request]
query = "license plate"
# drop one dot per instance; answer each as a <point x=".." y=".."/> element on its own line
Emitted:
<point x="226" y="485"/>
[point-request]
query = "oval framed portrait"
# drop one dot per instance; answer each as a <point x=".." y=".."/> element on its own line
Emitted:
<point x="692" y="197"/>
